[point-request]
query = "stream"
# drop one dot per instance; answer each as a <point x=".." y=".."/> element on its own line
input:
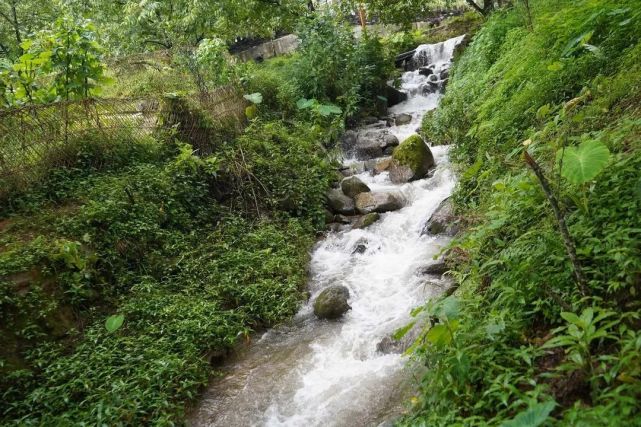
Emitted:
<point x="330" y="373"/>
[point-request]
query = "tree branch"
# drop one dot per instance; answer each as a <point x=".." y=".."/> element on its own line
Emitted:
<point x="560" y="219"/>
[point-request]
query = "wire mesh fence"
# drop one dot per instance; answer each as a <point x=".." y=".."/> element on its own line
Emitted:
<point x="30" y="136"/>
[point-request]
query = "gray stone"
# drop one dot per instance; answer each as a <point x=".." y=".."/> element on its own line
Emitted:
<point x="348" y="140"/>
<point x="389" y="345"/>
<point x="437" y="268"/>
<point x="378" y="202"/>
<point x="382" y="165"/>
<point x="352" y="186"/>
<point x="371" y="143"/>
<point x="400" y="174"/>
<point x="331" y="303"/>
<point x="443" y="221"/>
<point x="425" y="71"/>
<point x="340" y="203"/>
<point x="394" y="96"/>
<point x="402" y="119"/>
<point x="366" y="220"/>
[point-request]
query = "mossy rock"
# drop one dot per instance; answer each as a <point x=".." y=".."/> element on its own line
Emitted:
<point x="332" y="302"/>
<point x="411" y="160"/>
<point x="367" y="220"/>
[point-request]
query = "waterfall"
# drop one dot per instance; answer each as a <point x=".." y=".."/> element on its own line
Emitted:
<point x="322" y="373"/>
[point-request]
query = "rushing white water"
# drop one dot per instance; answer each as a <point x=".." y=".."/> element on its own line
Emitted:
<point x="322" y="373"/>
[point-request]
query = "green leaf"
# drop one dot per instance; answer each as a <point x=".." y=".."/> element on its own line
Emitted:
<point x="113" y="323"/>
<point x="304" y="103"/>
<point x="494" y="328"/>
<point x="326" y="110"/>
<point x="583" y="163"/>
<point x="570" y="317"/>
<point x="533" y="416"/>
<point x="254" y="98"/>
<point x="449" y="308"/>
<point x="439" y="335"/>
<point x="401" y="332"/>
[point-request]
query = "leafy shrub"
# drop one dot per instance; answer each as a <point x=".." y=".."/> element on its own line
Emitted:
<point x="566" y="85"/>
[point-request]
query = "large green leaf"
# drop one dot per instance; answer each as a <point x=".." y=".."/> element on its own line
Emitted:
<point x="113" y="323"/>
<point x="305" y="103"/>
<point x="533" y="416"/>
<point x="439" y="335"/>
<point x="326" y="110"/>
<point x="583" y="163"/>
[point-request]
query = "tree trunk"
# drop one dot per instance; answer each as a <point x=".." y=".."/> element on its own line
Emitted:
<point x="560" y="219"/>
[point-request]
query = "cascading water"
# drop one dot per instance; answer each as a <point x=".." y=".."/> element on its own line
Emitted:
<point x="321" y="373"/>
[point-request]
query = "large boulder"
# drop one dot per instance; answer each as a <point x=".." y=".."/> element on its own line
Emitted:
<point x="380" y="202"/>
<point x="411" y="160"/>
<point x="394" y="96"/>
<point x="352" y="186"/>
<point x="372" y="143"/>
<point x="331" y="303"/>
<point x="339" y="202"/>
<point x="442" y="221"/>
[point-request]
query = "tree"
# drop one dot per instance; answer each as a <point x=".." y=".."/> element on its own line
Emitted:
<point x="19" y="19"/>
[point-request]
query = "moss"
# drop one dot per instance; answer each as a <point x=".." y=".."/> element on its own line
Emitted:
<point x="411" y="152"/>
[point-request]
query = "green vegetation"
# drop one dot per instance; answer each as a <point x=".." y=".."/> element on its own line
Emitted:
<point x="522" y="339"/>
<point x="172" y="242"/>
<point x="139" y="260"/>
<point x="138" y="257"/>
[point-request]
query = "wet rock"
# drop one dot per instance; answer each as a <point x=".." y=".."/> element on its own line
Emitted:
<point x="331" y="303"/>
<point x="370" y="144"/>
<point x="352" y="186"/>
<point x="443" y="221"/>
<point x="394" y="96"/>
<point x="382" y="165"/>
<point x="412" y="160"/>
<point x="366" y="220"/>
<point x="445" y="74"/>
<point x="339" y="202"/>
<point x="389" y="345"/>
<point x="348" y="140"/>
<point x="369" y="120"/>
<point x="402" y="119"/>
<point x="378" y="202"/>
<point x="354" y="169"/>
<point x="329" y="216"/>
<point x="438" y="268"/>
<point x="426" y="71"/>
<point x="342" y="219"/>
<point x="361" y="248"/>
<point x="335" y="227"/>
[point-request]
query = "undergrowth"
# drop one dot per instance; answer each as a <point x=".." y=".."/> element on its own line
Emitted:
<point x="518" y="344"/>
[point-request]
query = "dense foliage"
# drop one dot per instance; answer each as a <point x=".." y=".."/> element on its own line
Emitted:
<point x="193" y="252"/>
<point x="521" y="341"/>
<point x="139" y="260"/>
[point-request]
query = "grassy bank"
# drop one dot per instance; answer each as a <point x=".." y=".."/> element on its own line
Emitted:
<point x="521" y="343"/>
<point x="128" y="273"/>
